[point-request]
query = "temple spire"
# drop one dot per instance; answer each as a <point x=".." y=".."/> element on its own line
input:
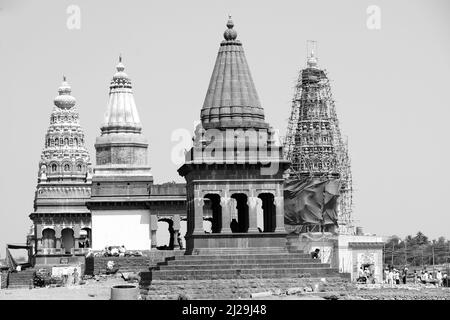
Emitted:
<point x="121" y="114"/>
<point x="231" y="100"/>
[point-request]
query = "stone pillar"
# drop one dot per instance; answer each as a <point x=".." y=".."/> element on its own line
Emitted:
<point x="198" y="215"/>
<point x="252" y="203"/>
<point x="279" y="209"/>
<point x="38" y="240"/>
<point x="58" y="238"/>
<point x="76" y="235"/>
<point x="153" y="229"/>
<point x="226" y="214"/>
<point x="176" y="231"/>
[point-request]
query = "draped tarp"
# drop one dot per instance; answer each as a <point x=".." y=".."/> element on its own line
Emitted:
<point x="311" y="201"/>
<point x="10" y="262"/>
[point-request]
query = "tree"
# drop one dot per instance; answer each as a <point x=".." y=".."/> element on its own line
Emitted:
<point x="420" y="239"/>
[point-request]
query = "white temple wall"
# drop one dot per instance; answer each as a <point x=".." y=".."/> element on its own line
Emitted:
<point x="130" y="228"/>
<point x="350" y="259"/>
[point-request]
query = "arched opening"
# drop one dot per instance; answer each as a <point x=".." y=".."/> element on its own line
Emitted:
<point x="48" y="238"/>
<point x="66" y="167"/>
<point x="54" y="167"/>
<point x="85" y="238"/>
<point x="213" y="209"/>
<point x="67" y="240"/>
<point x="183" y="230"/>
<point x="207" y="225"/>
<point x="239" y="215"/>
<point x="165" y="234"/>
<point x="268" y="212"/>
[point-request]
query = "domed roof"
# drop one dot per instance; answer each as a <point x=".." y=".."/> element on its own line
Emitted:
<point x="230" y="34"/>
<point x="64" y="100"/>
<point x="121" y="114"/>
<point x="231" y="100"/>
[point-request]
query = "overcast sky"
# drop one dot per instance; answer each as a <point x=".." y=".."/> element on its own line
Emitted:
<point x="391" y="86"/>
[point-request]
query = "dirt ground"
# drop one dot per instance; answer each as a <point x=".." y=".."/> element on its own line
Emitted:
<point x="101" y="289"/>
<point x="92" y="290"/>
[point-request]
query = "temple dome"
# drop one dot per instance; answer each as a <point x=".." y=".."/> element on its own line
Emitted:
<point x="121" y="115"/>
<point x="231" y="100"/>
<point x="64" y="100"/>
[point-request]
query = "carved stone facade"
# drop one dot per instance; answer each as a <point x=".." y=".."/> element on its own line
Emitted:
<point x="234" y="162"/>
<point x="61" y="219"/>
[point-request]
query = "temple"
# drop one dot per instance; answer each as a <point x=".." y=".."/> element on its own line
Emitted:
<point x="314" y="143"/>
<point x="122" y="178"/>
<point x="231" y="216"/>
<point x="235" y="166"/>
<point x="61" y="219"/>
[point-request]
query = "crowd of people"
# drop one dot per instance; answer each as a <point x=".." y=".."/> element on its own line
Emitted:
<point x="394" y="276"/>
<point x="365" y="275"/>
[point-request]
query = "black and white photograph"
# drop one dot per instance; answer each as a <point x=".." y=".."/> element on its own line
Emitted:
<point x="225" y="155"/>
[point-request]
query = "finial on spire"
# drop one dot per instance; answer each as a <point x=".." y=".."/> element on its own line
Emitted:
<point x="230" y="34"/>
<point x="64" y="100"/>
<point x="311" y="56"/>
<point x="120" y="67"/>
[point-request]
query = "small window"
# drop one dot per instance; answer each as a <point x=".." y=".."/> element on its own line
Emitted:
<point x="54" y="167"/>
<point x="79" y="167"/>
<point x="66" y="167"/>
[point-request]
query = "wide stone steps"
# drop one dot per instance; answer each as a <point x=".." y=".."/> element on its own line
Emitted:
<point x="233" y="273"/>
<point x="21" y="279"/>
<point x="215" y="251"/>
<point x="237" y="261"/>
<point x="233" y="288"/>
<point x="254" y="256"/>
<point x="240" y="266"/>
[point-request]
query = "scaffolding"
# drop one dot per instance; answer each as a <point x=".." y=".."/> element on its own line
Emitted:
<point x="313" y="141"/>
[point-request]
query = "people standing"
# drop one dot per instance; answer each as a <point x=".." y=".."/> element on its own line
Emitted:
<point x="439" y="278"/>
<point x="391" y="277"/>
<point x="75" y="276"/>
<point x="386" y="275"/>
<point x="404" y="274"/>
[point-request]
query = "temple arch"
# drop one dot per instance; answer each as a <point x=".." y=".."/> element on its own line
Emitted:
<point x="48" y="238"/>
<point x="268" y="211"/>
<point x="214" y="210"/>
<point x="165" y="234"/>
<point x="67" y="240"/>
<point x="239" y="214"/>
<point x="85" y="238"/>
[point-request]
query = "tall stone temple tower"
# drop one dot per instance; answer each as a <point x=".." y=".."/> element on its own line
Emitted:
<point x="313" y="142"/>
<point x="235" y="167"/>
<point x="61" y="219"/>
<point x="122" y="178"/>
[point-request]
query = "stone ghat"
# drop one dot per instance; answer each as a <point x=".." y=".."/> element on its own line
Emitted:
<point x="238" y="288"/>
<point x="22" y="279"/>
<point x="235" y="263"/>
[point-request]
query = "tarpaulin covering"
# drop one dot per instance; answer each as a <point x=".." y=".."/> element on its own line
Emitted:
<point x="10" y="262"/>
<point x="311" y="201"/>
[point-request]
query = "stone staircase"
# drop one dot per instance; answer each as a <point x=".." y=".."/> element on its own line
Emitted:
<point x="238" y="288"/>
<point x="22" y="279"/>
<point x="231" y="263"/>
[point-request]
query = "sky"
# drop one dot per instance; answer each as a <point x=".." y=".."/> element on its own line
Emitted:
<point x="390" y="84"/>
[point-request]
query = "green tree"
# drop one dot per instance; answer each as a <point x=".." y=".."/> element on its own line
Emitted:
<point x="420" y="239"/>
